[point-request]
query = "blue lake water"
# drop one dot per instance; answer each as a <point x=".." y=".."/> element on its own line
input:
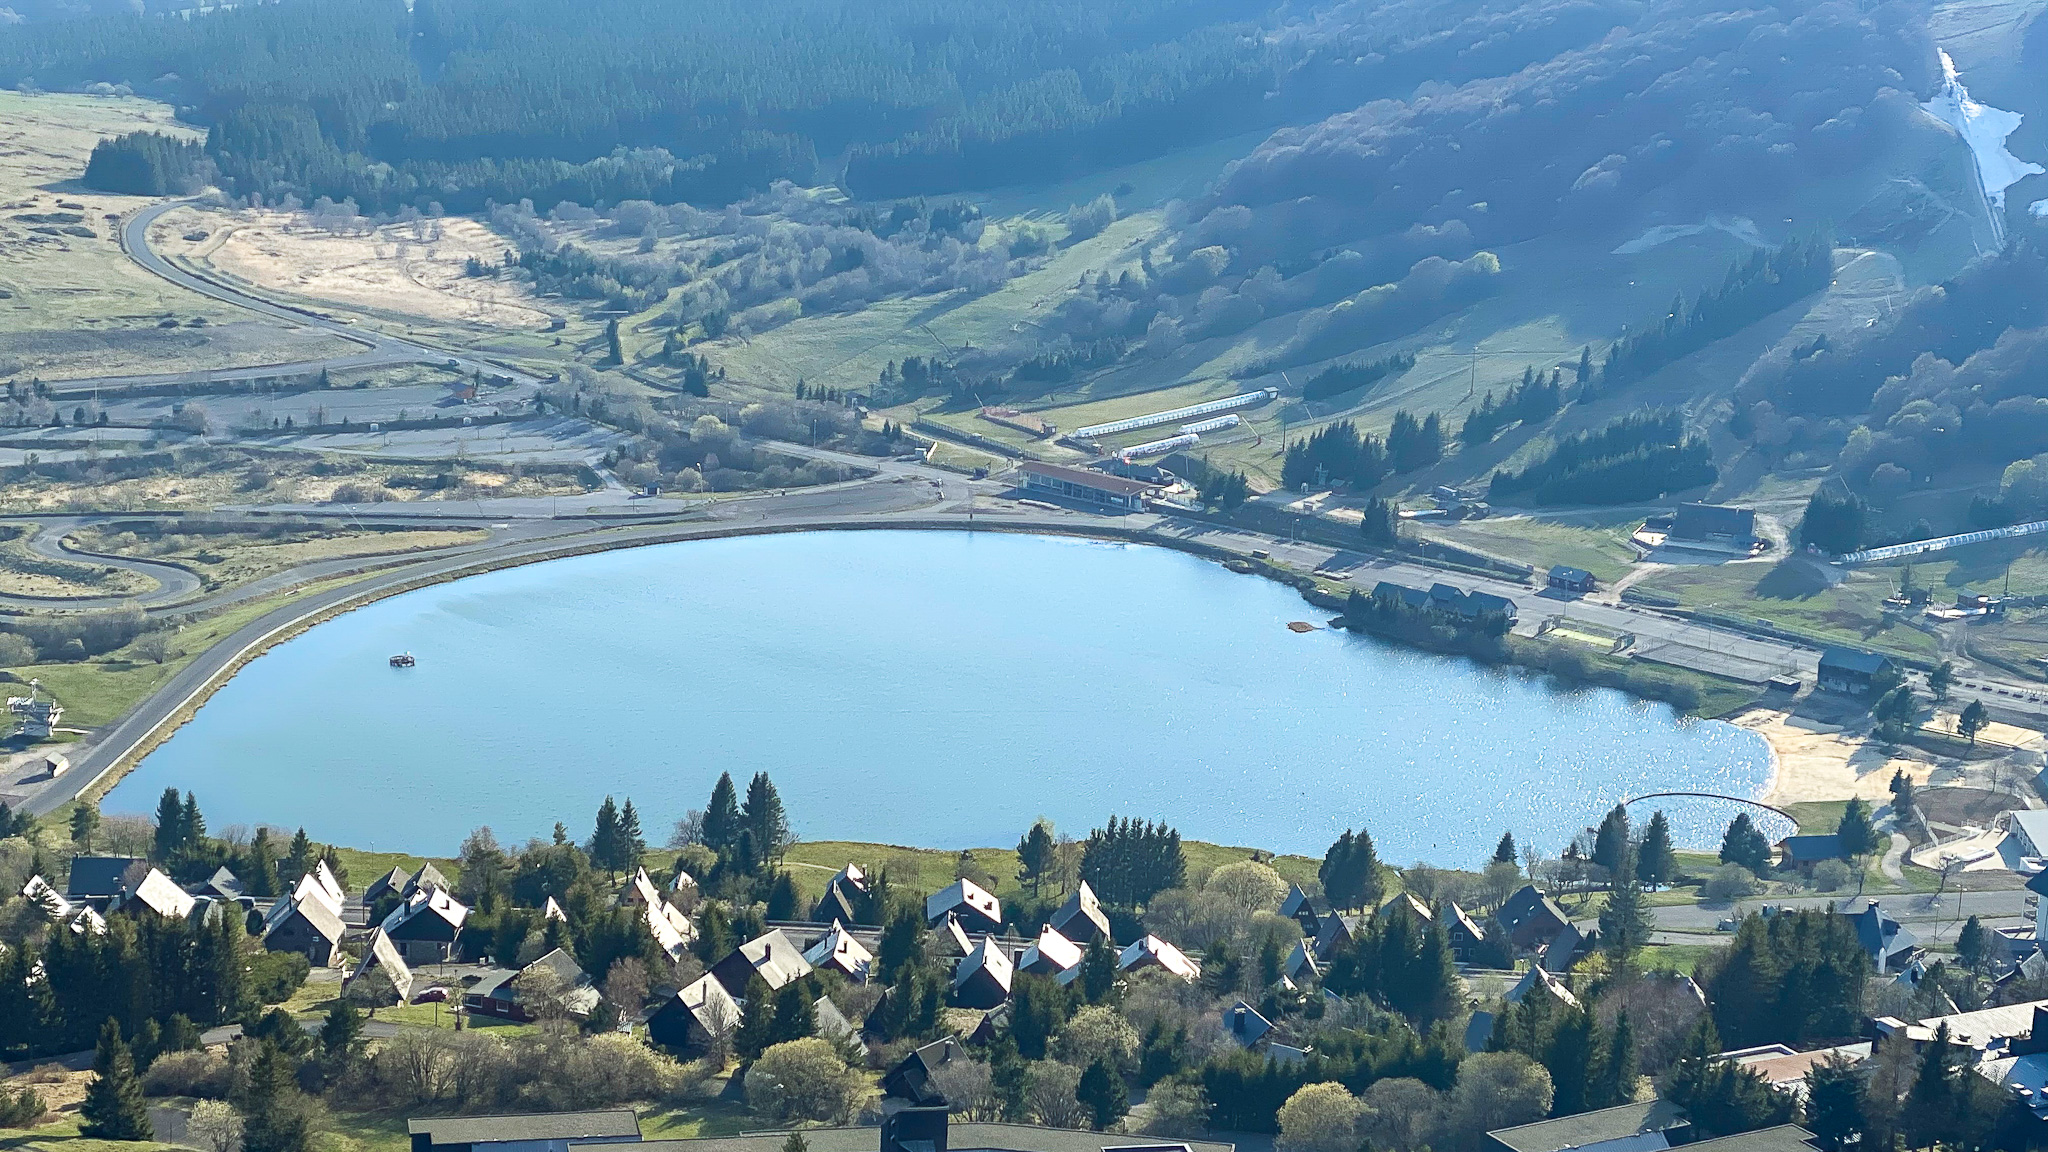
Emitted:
<point x="933" y="689"/>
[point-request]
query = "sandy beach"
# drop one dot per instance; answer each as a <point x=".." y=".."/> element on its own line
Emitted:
<point x="1812" y="760"/>
<point x="1815" y="761"/>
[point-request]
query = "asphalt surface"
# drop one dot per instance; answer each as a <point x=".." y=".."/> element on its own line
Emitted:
<point x="173" y="583"/>
<point x="378" y="349"/>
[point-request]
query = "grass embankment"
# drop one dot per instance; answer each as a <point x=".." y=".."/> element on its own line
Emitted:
<point x="1794" y="596"/>
<point x="97" y="692"/>
<point x="229" y="558"/>
<point x="1601" y="549"/>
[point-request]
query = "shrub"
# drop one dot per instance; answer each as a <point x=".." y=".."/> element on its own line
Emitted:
<point x="803" y="1080"/>
<point x="274" y="976"/>
<point x="1320" y="1118"/>
<point x="200" y="1073"/>
<point x="1831" y="876"/>
<point x="1730" y="882"/>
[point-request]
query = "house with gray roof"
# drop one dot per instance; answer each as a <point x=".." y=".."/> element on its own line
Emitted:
<point x="1301" y="909"/>
<point x="391" y="883"/>
<point x="508" y="995"/>
<point x="306" y="926"/>
<point x="1081" y="918"/>
<point x="1050" y="954"/>
<point x="158" y="893"/>
<point x="982" y="978"/>
<point x="968" y="902"/>
<point x="1531" y="918"/>
<point x="426" y="926"/>
<point x="383" y="977"/>
<point x="838" y="951"/>
<point x="222" y="885"/>
<point x="773" y="956"/>
<point x="97" y="880"/>
<point x="1850" y="671"/>
<point x="1244" y="1025"/>
<point x="529" y="1132"/>
<point x="1717" y="525"/>
<point x="689" y="1021"/>
<point x="1890" y="945"/>
<point x="1650" y="1126"/>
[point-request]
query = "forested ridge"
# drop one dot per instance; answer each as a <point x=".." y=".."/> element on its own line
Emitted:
<point x="458" y="101"/>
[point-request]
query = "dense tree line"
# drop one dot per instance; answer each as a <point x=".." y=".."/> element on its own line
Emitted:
<point x="1795" y="978"/>
<point x="1336" y="453"/>
<point x="147" y="164"/>
<point x="1564" y="144"/>
<point x="461" y="102"/>
<point x="1338" y="379"/>
<point x="1129" y="861"/>
<point x="1246" y="1090"/>
<point x="1770" y="279"/>
<point x="1639" y="457"/>
<point x="1536" y="399"/>
<point x="1401" y="959"/>
<point x="146" y="973"/>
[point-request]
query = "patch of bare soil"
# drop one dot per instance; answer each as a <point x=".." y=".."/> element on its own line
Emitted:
<point x="419" y="267"/>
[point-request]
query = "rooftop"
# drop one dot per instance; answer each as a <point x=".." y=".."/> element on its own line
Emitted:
<point x="1083" y="476"/>
<point x="611" y="1123"/>
<point x="959" y="1138"/>
<point x="1854" y="660"/>
<point x="1567" y="1132"/>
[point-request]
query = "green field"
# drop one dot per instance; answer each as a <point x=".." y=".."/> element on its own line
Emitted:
<point x="1794" y="596"/>
<point x="1599" y="546"/>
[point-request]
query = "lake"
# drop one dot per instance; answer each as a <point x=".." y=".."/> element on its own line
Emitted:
<point x="937" y="689"/>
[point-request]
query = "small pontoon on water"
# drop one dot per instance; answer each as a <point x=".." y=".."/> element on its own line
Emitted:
<point x="403" y="660"/>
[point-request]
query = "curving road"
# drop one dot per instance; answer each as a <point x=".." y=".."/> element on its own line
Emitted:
<point x="379" y="349"/>
<point x="172" y="582"/>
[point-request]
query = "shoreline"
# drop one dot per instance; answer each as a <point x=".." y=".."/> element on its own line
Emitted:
<point x="174" y="704"/>
<point x="1814" y="761"/>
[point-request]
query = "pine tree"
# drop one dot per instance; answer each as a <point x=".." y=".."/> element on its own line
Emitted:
<point x="1504" y="852"/>
<point x="782" y="898"/>
<point x="632" y="845"/>
<point x="1103" y="1091"/>
<point x="1932" y="1103"/>
<point x="1834" y="1097"/>
<point x="260" y="872"/>
<point x="194" y="825"/>
<point x="300" y="859"/>
<point x="762" y="815"/>
<point x="1743" y="844"/>
<point x="1857" y="834"/>
<point x="1037" y="856"/>
<point x="1619" y="1069"/>
<point x="114" y="1108"/>
<point x="341" y="1035"/>
<point x="1610" y="843"/>
<point x="1970" y="944"/>
<point x="1098" y="971"/>
<point x="722" y="816"/>
<point x="902" y="943"/>
<point x="757" y="1020"/>
<point x="274" y="1115"/>
<point x="170" y="825"/>
<point x="1656" y="860"/>
<point x="615" y="349"/>
<point x="85" y="821"/>
<point x="604" y="847"/>
<point x="1625" y="922"/>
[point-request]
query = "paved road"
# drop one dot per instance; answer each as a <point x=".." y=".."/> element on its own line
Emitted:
<point x="878" y="503"/>
<point x="173" y="583"/>
<point x="377" y="349"/>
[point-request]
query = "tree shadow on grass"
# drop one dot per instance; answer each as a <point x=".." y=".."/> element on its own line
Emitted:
<point x="1791" y="579"/>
